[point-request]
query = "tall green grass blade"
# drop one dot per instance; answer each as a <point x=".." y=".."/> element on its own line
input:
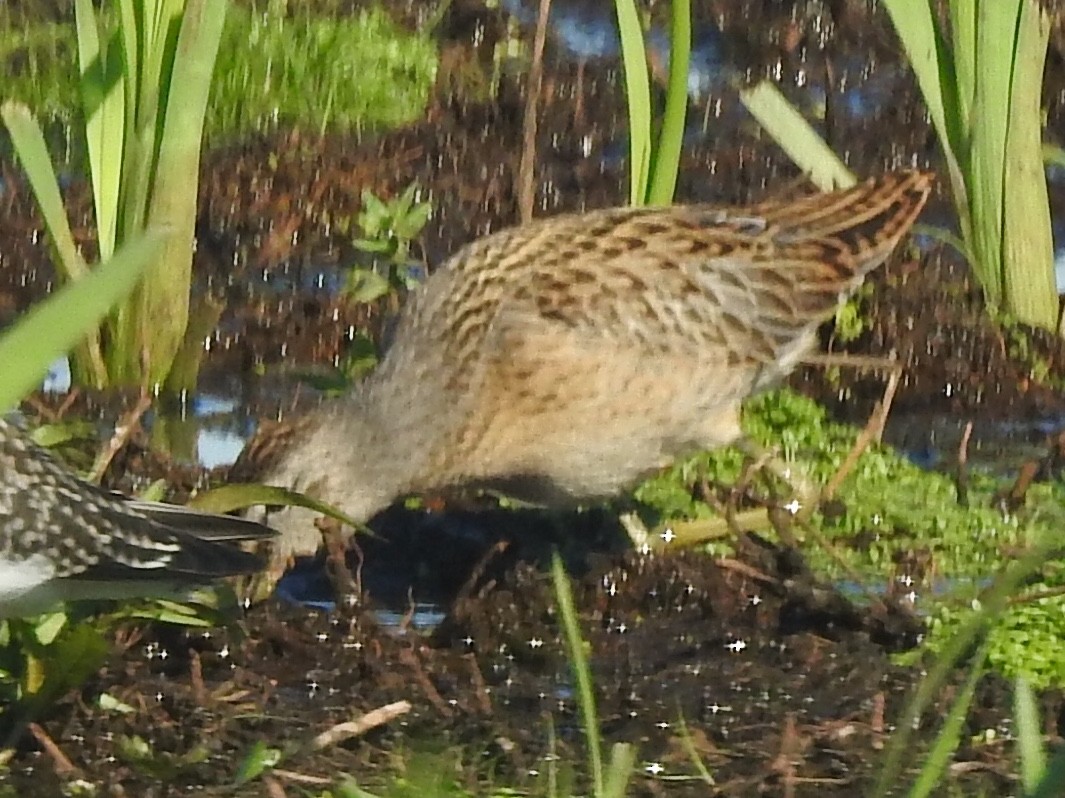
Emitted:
<point x="933" y="64"/>
<point x="166" y="288"/>
<point x="131" y="155"/>
<point x="995" y="42"/>
<point x="103" y="104"/>
<point x="1030" y="288"/>
<point x="638" y="96"/>
<point x="138" y="21"/>
<point x="88" y="362"/>
<point x="32" y="153"/>
<point x="793" y="134"/>
<point x="127" y="31"/>
<point x="160" y="22"/>
<point x="619" y="771"/>
<point x="582" y="674"/>
<point x="51" y="328"/>
<point x="961" y="81"/>
<point x="185" y="368"/>
<point x="693" y="754"/>
<point x="983" y="92"/>
<point x="946" y="742"/>
<point x="992" y="602"/>
<point x="1033" y="759"/>
<point x="949" y="106"/>
<point x="666" y="157"/>
<point x="943" y="236"/>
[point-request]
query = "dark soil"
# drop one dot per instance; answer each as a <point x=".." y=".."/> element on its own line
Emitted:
<point x="785" y="687"/>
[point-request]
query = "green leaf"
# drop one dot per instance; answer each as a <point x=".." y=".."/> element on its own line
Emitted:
<point x="638" y="97"/>
<point x="67" y="661"/>
<point x="103" y="104"/>
<point x="796" y="137"/>
<point x="59" y="433"/>
<point x="32" y="153"/>
<point x="1033" y="758"/>
<point x="159" y="326"/>
<point x="946" y="742"/>
<point x="155" y="492"/>
<point x="109" y="703"/>
<point x="48" y="627"/>
<point x="227" y="498"/>
<point x="366" y="286"/>
<point x="260" y="759"/>
<point x="666" y="161"/>
<point x="1029" y="285"/>
<point x="373" y="245"/>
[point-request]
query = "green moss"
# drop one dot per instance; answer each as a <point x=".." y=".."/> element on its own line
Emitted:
<point x="886" y="507"/>
<point x="850" y="321"/>
<point x="1022" y="351"/>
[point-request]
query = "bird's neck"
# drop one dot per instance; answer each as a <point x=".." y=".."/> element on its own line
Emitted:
<point x="377" y="441"/>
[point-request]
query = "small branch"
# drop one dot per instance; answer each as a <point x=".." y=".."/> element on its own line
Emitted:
<point x="129" y="421"/>
<point x="527" y="167"/>
<point x="63" y="765"/>
<point x="961" y="476"/>
<point x="873" y="432"/>
<point x="199" y="690"/>
<point x="410" y="659"/>
<point x="357" y="728"/>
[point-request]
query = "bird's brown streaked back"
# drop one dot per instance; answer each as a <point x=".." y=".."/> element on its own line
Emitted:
<point x="566" y="358"/>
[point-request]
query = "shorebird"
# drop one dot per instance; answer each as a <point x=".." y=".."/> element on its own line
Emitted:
<point x="562" y="361"/>
<point x="64" y="539"/>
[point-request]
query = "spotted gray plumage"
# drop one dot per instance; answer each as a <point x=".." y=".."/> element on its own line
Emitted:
<point x="62" y="538"/>
<point x="563" y="360"/>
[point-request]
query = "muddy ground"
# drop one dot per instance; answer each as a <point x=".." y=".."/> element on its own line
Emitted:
<point x="786" y="687"/>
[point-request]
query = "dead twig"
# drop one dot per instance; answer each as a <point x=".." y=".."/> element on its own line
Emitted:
<point x="63" y="765"/>
<point x="527" y="167"/>
<point x="1034" y="596"/>
<point x="480" y="688"/>
<point x="961" y="474"/>
<point x="478" y="571"/>
<point x="301" y="778"/>
<point x="408" y="616"/>
<point x="357" y="728"/>
<point x="872" y="433"/>
<point x="877" y="722"/>
<point x="199" y="690"/>
<point x="408" y="658"/>
<point x="127" y="423"/>
<point x="789" y="756"/>
<point x="749" y="571"/>
<point x="341" y="579"/>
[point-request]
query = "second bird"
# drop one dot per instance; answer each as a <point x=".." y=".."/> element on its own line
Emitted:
<point x="564" y="360"/>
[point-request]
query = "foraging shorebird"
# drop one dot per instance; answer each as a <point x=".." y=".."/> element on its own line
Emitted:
<point x="563" y="360"/>
<point x="64" y="539"/>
